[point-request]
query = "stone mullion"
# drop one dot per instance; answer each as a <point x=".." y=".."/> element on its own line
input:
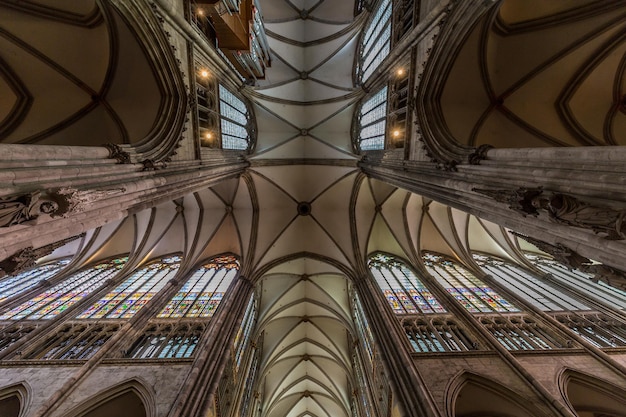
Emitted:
<point x="195" y="396"/>
<point x="552" y="403"/>
<point x="139" y="194"/>
<point x="407" y="382"/>
<point x="454" y="189"/>
<point x="544" y="317"/>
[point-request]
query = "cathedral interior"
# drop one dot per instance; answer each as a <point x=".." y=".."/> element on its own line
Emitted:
<point x="313" y="208"/>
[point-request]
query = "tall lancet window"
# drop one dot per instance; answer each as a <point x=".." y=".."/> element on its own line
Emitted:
<point x="235" y="121"/>
<point x="58" y="298"/>
<point x="15" y="284"/>
<point x="404" y="291"/>
<point x="177" y="328"/>
<point x="467" y="289"/>
<point x="584" y="282"/>
<point x="125" y="300"/>
<point x="375" y="41"/>
<point x="372" y="121"/>
<point x="426" y="322"/>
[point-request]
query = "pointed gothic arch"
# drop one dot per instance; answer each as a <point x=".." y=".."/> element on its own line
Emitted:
<point x="473" y="395"/>
<point x="131" y="396"/>
<point x="590" y="396"/>
<point x="14" y="400"/>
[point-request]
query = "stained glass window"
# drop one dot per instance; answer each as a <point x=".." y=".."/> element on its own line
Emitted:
<point x="372" y="121"/>
<point x="62" y="296"/>
<point x="527" y="286"/>
<point x="402" y="288"/>
<point x="581" y="281"/>
<point x="363" y="329"/>
<point x="243" y="334"/>
<point x="376" y="40"/>
<point x="235" y="119"/>
<point x="467" y="289"/>
<point x="201" y="294"/>
<point x="15" y="284"/>
<point x="167" y="340"/>
<point x="135" y="292"/>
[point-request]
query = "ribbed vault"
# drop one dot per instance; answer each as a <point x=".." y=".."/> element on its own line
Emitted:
<point x="537" y="73"/>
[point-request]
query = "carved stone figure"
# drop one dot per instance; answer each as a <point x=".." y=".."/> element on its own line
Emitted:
<point x="26" y="258"/>
<point x="25" y="208"/>
<point x="563" y="209"/>
<point x="574" y="260"/>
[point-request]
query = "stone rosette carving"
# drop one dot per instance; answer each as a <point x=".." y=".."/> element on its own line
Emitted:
<point x="563" y="209"/>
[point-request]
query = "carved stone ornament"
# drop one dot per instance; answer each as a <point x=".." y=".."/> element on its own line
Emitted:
<point x="564" y="209"/>
<point x="116" y="152"/>
<point x="24" y="259"/>
<point x="574" y="260"/>
<point x="479" y="154"/>
<point x="26" y="208"/>
<point x="81" y="200"/>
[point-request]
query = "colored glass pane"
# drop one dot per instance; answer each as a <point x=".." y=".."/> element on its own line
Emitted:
<point x="62" y="296"/>
<point x="403" y="290"/>
<point x="466" y="288"/>
<point x="16" y="284"/>
<point x="202" y="292"/>
<point x="125" y="300"/>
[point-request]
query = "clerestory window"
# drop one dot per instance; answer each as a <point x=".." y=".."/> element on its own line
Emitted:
<point x="375" y="41"/>
<point x="16" y="284"/>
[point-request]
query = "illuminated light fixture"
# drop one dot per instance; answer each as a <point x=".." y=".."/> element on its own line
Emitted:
<point x="200" y="12"/>
<point x="209" y="135"/>
<point x="204" y="73"/>
<point x="400" y="72"/>
<point x="396" y="133"/>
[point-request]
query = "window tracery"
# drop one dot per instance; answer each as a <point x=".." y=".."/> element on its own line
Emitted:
<point x="125" y="300"/>
<point x="16" y="284"/>
<point x="404" y="291"/>
<point x="375" y="41"/>
<point x="235" y="119"/>
<point x="472" y="293"/>
<point x="521" y="333"/>
<point x="202" y="292"/>
<point x="14" y="333"/>
<point x="529" y="287"/>
<point x="167" y="340"/>
<point x="437" y="335"/>
<point x="60" y="297"/>
<point x="372" y="121"/>
<point x="596" y="328"/>
<point x="73" y="341"/>
<point x="582" y="281"/>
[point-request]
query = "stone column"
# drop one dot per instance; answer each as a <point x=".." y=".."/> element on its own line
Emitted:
<point x="408" y="384"/>
<point x="197" y="392"/>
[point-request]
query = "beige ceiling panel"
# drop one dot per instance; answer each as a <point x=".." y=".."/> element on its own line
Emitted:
<point x="226" y="190"/>
<point x="243" y="213"/>
<point x="364" y="213"/>
<point x="481" y="241"/>
<point x="192" y="216"/>
<point x="277" y="10"/>
<point x="380" y="190"/>
<point x="292" y="29"/>
<point x="277" y="210"/>
<point x="332" y="10"/>
<point x="304" y="266"/>
<point x="518" y="11"/>
<point x="304" y="91"/>
<point x="335" y="71"/>
<point x="163" y="241"/>
<point x="414" y="217"/>
<point x="431" y="239"/>
<point x="279" y="72"/>
<point x="113" y="238"/>
<point x="274" y="288"/>
<point x="382" y="239"/>
<point x="320" y="31"/>
<point x="461" y="222"/>
<point x="322" y="50"/>
<point x="393" y="214"/>
<point x="304" y="235"/>
<point x="441" y="218"/>
<point x="82" y="51"/>
<point x="286" y="51"/>
<point x="225" y="240"/>
<point x="304" y="182"/>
